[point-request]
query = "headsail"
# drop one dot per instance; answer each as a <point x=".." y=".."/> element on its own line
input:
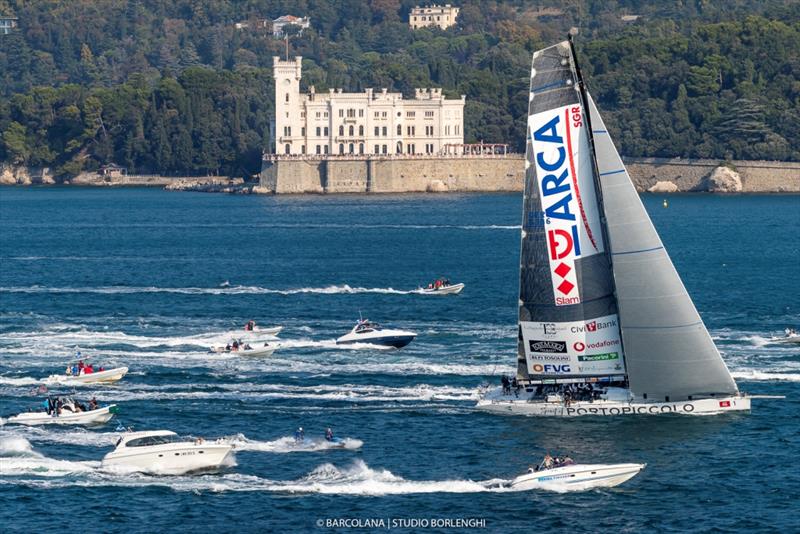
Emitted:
<point x="568" y="324"/>
<point x="668" y="351"/>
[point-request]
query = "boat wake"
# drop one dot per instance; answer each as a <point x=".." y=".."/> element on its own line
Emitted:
<point x="288" y="444"/>
<point x="219" y="290"/>
<point x="27" y="467"/>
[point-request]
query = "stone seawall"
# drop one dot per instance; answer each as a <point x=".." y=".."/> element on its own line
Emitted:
<point x="506" y="173"/>
<point x="694" y="174"/>
<point x="393" y="175"/>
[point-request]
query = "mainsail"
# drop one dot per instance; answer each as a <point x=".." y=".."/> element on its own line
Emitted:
<point x="568" y="323"/>
<point x="599" y="296"/>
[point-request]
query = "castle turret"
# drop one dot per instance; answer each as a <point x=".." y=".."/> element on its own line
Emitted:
<point x="288" y="107"/>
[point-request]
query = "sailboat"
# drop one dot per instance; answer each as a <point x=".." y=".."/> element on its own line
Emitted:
<point x="606" y="326"/>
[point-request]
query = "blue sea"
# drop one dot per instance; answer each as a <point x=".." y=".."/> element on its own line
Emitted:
<point x="151" y="279"/>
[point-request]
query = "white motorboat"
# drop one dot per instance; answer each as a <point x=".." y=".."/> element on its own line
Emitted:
<point x="367" y="332"/>
<point x="67" y="415"/>
<point x="251" y="329"/>
<point x="162" y="452"/>
<point x="246" y="350"/>
<point x="790" y="337"/>
<point x="577" y="477"/>
<point x="98" y="377"/>
<point x="452" y="289"/>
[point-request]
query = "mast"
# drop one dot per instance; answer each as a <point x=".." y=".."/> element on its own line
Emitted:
<point x="598" y="189"/>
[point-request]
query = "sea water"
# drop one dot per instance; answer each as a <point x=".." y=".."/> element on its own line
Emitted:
<point x="150" y="280"/>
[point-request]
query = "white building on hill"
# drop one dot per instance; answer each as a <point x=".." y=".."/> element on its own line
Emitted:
<point x="441" y="16"/>
<point x="338" y="123"/>
<point x="285" y="20"/>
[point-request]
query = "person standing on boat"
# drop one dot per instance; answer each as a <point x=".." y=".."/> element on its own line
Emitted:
<point x="328" y="434"/>
<point x="547" y="462"/>
<point x="299" y="435"/>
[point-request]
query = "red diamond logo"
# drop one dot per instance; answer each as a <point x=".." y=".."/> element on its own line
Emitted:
<point x="565" y="286"/>
<point x="562" y="270"/>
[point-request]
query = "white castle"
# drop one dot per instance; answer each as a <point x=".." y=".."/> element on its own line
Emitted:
<point x="337" y="123"/>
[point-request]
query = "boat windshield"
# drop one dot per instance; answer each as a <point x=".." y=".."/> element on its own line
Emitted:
<point x="155" y="440"/>
<point x="364" y="327"/>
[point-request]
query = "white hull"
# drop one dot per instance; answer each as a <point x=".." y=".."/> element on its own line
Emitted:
<point x="170" y="459"/>
<point x="785" y="339"/>
<point x="578" y="477"/>
<point x="93" y="417"/>
<point x="509" y="404"/>
<point x="272" y="331"/>
<point x="453" y="289"/>
<point x="255" y="351"/>
<point x="108" y="376"/>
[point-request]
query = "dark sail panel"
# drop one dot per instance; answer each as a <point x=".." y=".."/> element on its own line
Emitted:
<point x="568" y="314"/>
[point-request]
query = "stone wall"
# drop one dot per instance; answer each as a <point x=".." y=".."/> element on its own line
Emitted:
<point x="502" y="173"/>
<point x="393" y="175"/>
<point x="694" y="174"/>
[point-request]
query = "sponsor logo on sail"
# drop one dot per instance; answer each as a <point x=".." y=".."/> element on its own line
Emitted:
<point x="554" y="149"/>
<point x="551" y="368"/>
<point x="549" y="329"/>
<point x="599" y="357"/>
<point x="553" y="347"/>
<point x="593" y="326"/>
<point x="550" y="357"/>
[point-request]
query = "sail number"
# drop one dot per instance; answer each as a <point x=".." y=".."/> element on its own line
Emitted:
<point x="577" y="117"/>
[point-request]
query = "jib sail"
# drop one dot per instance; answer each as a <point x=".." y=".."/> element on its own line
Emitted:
<point x="668" y="351"/>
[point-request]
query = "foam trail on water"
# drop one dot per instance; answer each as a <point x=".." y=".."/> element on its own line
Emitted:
<point x="17" y="458"/>
<point x="288" y="444"/>
<point x="762" y="376"/>
<point x="228" y="290"/>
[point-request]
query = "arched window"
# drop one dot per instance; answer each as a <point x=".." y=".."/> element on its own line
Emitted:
<point x="341" y="148"/>
<point x="288" y="148"/>
<point x="351" y="130"/>
<point x="399" y="130"/>
<point x="361" y="148"/>
<point x="384" y="149"/>
<point x="352" y="148"/>
<point x="399" y="146"/>
<point x="341" y="130"/>
<point x="361" y="131"/>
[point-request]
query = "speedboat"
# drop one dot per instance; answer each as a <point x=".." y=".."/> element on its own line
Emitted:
<point x="790" y="337"/>
<point x="577" y="477"/>
<point x="451" y="289"/>
<point x="271" y="331"/>
<point x="367" y="332"/>
<point x="246" y="350"/>
<point x="69" y="415"/>
<point x="98" y="377"/>
<point x="163" y="452"/>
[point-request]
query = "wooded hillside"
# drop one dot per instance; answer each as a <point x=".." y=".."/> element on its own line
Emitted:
<point x="174" y="87"/>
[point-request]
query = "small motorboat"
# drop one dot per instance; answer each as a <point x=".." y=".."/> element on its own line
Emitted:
<point x="98" y="377"/>
<point x="791" y="336"/>
<point x="576" y="476"/>
<point x="163" y="452"/>
<point x="251" y="328"/>
<point x="245" y="349"/>
<point x="68" y="413"/>
<point x="444" y="289"/>
<point x="367" y="332"/>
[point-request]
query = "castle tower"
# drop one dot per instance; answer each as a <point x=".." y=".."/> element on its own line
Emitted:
<point x="288" y="122"/>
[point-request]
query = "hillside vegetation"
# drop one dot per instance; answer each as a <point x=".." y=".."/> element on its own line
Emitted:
<point x="172" y="87"/>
